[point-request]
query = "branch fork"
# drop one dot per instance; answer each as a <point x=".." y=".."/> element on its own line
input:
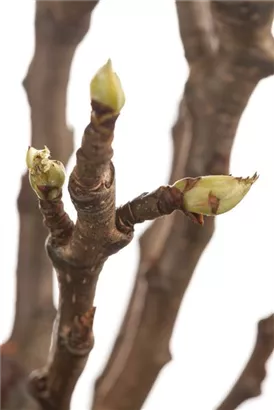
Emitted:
<point x="78" y="252"/>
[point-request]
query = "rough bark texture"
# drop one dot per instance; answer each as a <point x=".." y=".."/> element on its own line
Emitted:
<point x="78" y="254"/>
<point x="229" y="49"/>
<point x="59" y="28"/>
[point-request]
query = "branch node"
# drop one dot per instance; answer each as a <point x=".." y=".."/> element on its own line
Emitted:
<point x="38" y="384"/>
<point x="56" y="220"/>
<point x="79" y="339"/>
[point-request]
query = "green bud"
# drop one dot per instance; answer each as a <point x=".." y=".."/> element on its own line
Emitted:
<point x="214" y="194"/>
<point x="46" y="176"/>
<point x="106" y="88"/>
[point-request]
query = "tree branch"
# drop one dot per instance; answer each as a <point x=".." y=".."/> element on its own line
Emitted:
<point x="59" y="28"/>
<point x="249" y="383"/>
<point x="216" y="94"/>
<point x="197" y="29"/>
<point x="195" y="197"/>
<point x="78" y="254"/>
<point x="150" y="206"/>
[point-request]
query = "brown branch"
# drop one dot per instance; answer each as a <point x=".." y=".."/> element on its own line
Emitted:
<point x="197" y="29"/>
<point x="249" y="383"/>
<point x="153" y="205"/>
<point x="78" y="255"/>
<point x="57" y="221"/>
<point x="216" y="93"/>
<point x="59" y="28"/>
<point x="209" y="195"/>
<point x="11" y="375"/>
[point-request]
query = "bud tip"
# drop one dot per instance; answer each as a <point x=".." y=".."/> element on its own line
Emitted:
<point x="106" y="88"/>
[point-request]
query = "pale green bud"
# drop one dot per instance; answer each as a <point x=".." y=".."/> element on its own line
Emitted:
<point x="214" y="194"/>
<point x="106" y="88"/>
<point x="46" y="176"/>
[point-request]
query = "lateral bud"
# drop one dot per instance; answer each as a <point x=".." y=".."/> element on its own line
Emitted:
<point x="46" y="176"/>
<point x="214" y="194"/>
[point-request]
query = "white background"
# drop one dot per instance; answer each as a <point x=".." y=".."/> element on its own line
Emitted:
<point x="234" y="282"/>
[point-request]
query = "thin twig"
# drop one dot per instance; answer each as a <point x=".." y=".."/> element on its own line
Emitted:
<point x="152" y="205"/>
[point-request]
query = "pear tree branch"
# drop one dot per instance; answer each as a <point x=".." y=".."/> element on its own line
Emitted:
<point x="78" y="252"/>
<point x="195" y="197"/>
